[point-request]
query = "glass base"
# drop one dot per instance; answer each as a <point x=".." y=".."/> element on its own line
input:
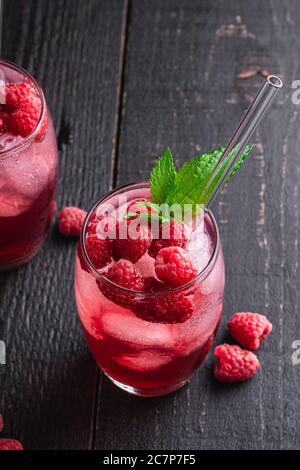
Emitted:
<point x="146" y="392"/>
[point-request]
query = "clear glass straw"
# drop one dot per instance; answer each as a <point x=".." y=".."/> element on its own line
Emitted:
<point x="243" y="133"/>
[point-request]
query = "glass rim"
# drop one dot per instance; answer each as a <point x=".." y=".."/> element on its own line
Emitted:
<point x="200" y="276"/>
<point x="30" y="137"/>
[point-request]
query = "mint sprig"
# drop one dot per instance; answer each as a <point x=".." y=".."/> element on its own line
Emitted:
<point x="162" y="178"/>
<point x="187" y="186"/>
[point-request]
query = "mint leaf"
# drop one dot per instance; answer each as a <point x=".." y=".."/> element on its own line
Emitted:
<point x="194" y="174"/>
<point x="235" y="168"/>
<point x="147" y="216"/>
<point x="242" y="159"/>
<point x="152" y="205"/>
<point x="191" y="178"/>
<point x="162" y="178"/>
<point x="130" y="215"/>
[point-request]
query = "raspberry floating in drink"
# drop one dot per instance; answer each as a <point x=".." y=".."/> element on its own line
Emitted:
<point x="176" y="236"/>
<point x="174" y="266"/>
<point x="135" y="245"/>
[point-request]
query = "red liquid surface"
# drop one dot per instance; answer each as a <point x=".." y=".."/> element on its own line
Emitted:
<point x="151" y="358"/>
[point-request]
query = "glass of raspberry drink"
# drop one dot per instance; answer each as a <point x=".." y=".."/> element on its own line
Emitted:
<point x="148" y="283"/>
<point x="28" y="166"/>
<point x="149" y="303"/>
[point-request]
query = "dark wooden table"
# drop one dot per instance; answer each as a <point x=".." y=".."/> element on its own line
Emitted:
<point x="124" y="79"/>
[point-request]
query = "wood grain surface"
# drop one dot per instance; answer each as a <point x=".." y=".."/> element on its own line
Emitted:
<point x="124" y="79"/>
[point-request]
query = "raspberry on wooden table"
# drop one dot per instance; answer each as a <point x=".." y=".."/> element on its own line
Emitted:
<point x="70" y="221"/>
<point x="10" y="444"/>
<point x="234" y="364"/>
<point x="249" y="329"/>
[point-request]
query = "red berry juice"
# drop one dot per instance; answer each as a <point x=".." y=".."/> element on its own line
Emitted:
<point x="28" y="174"/>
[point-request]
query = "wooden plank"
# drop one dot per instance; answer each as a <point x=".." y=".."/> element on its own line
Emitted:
<point x="182" y="89"/>
<point x="49" y="384"/>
